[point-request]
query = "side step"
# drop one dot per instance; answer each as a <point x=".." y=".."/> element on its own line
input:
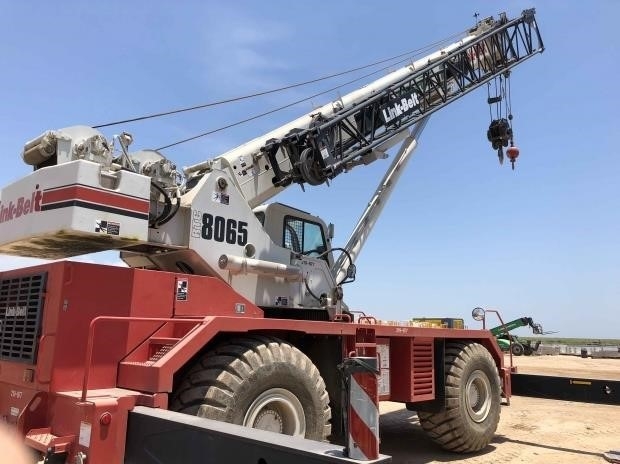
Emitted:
<point x="167" y="437"/>
<point x="54" y="448"/>
<point x="158" y="347"/>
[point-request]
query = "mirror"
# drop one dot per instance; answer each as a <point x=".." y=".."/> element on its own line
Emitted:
<point x="478" y="314"/>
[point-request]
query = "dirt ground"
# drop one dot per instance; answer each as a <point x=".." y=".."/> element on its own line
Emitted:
<point x="531" y="430"/>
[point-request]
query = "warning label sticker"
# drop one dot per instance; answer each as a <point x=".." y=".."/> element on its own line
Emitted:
<point x="107" y="227"/>
<point x="182" y="289"/>
<point x="85" y="432"/>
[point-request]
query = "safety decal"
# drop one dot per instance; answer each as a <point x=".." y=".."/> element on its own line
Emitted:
<point x="245" y="168"/>
<point x="182" y="289"/>
<point x="85" y="432"/>
<point x="383" y="352"/>
<point x="107" y="227"/>
<point x="219" y="197"/>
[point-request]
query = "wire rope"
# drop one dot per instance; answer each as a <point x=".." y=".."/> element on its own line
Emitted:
<point x="280" y="108"/>
<point x="410" y="53"/>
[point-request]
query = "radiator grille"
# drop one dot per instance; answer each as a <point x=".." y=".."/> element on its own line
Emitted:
<point x="21" y="303"/>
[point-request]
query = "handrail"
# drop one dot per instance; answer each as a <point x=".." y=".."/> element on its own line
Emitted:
<point x="503" y="327"/>
<point x="91" y="338"/>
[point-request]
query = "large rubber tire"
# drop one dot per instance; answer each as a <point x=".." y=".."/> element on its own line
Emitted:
<point x="261" y="382"/>
<point x="473" y="397"/>
<point x="517" y="349"/>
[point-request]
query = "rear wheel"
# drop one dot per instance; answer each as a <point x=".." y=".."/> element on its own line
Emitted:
<point x="259" y="382"/>
<point x="473" y="395"/>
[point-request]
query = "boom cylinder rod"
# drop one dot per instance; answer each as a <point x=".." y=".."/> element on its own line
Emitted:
<point x="377" y="202"/>
<point x="242" y="265"/>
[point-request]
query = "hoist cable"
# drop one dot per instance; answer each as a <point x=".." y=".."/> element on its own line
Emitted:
<point x="489" y="100"/>
<point x="501" y="101"/>
<point x="508" y="98"/>
<point x="280" y="89"/>
<point x="266" y="113"/>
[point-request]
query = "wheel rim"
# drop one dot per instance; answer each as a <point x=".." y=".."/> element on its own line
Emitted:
<point x="277" y="410"/>
<point x="478" y="396"/>
<point x="517" y="350"/>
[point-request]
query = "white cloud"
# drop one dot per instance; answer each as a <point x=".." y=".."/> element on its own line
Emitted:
<point x="239" y="51"/>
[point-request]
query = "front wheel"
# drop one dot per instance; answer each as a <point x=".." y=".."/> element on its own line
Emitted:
<point x="473" y="396"/>
<point x="259" y="382"/>
<point x="517" y="349"/>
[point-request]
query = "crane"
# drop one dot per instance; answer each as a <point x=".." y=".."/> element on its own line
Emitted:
<point x="231" y="308"/>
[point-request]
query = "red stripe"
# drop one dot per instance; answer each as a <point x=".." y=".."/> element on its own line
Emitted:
<point x="370" y="384"/>
<point x="78" y="192"/>
<point x="363" y="436"/>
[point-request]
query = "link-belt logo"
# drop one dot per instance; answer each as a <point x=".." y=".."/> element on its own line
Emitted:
<point x="398" y="108"/>
<point x="16" y="311"/>
<point x="21" y="206"/>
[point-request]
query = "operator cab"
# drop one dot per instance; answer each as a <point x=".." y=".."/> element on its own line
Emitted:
<point x="297" y="230"/>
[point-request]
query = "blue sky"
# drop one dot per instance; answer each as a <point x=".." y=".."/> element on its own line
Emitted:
<point x="460" y="231"/>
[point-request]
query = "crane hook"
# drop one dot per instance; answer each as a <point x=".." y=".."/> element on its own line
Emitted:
<point x="513" y="154"/>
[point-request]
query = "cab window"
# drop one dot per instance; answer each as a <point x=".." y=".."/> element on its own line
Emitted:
<point x="303" y="236"/>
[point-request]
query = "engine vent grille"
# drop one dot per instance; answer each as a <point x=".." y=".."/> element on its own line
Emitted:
<point x="423" y="378"/>
<point x="21" y="304"/>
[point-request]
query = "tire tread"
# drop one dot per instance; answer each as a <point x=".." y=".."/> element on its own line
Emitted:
<point x="449" y="428"/>
<point x="209" y="387"/>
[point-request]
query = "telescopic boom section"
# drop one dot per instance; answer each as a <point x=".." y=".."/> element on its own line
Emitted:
<point x="357" y="128"/>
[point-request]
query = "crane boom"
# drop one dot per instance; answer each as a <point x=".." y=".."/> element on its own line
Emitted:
<point x="356" y="128"/>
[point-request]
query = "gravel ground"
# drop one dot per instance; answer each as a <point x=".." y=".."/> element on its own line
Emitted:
<point x="531" y="430"/>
